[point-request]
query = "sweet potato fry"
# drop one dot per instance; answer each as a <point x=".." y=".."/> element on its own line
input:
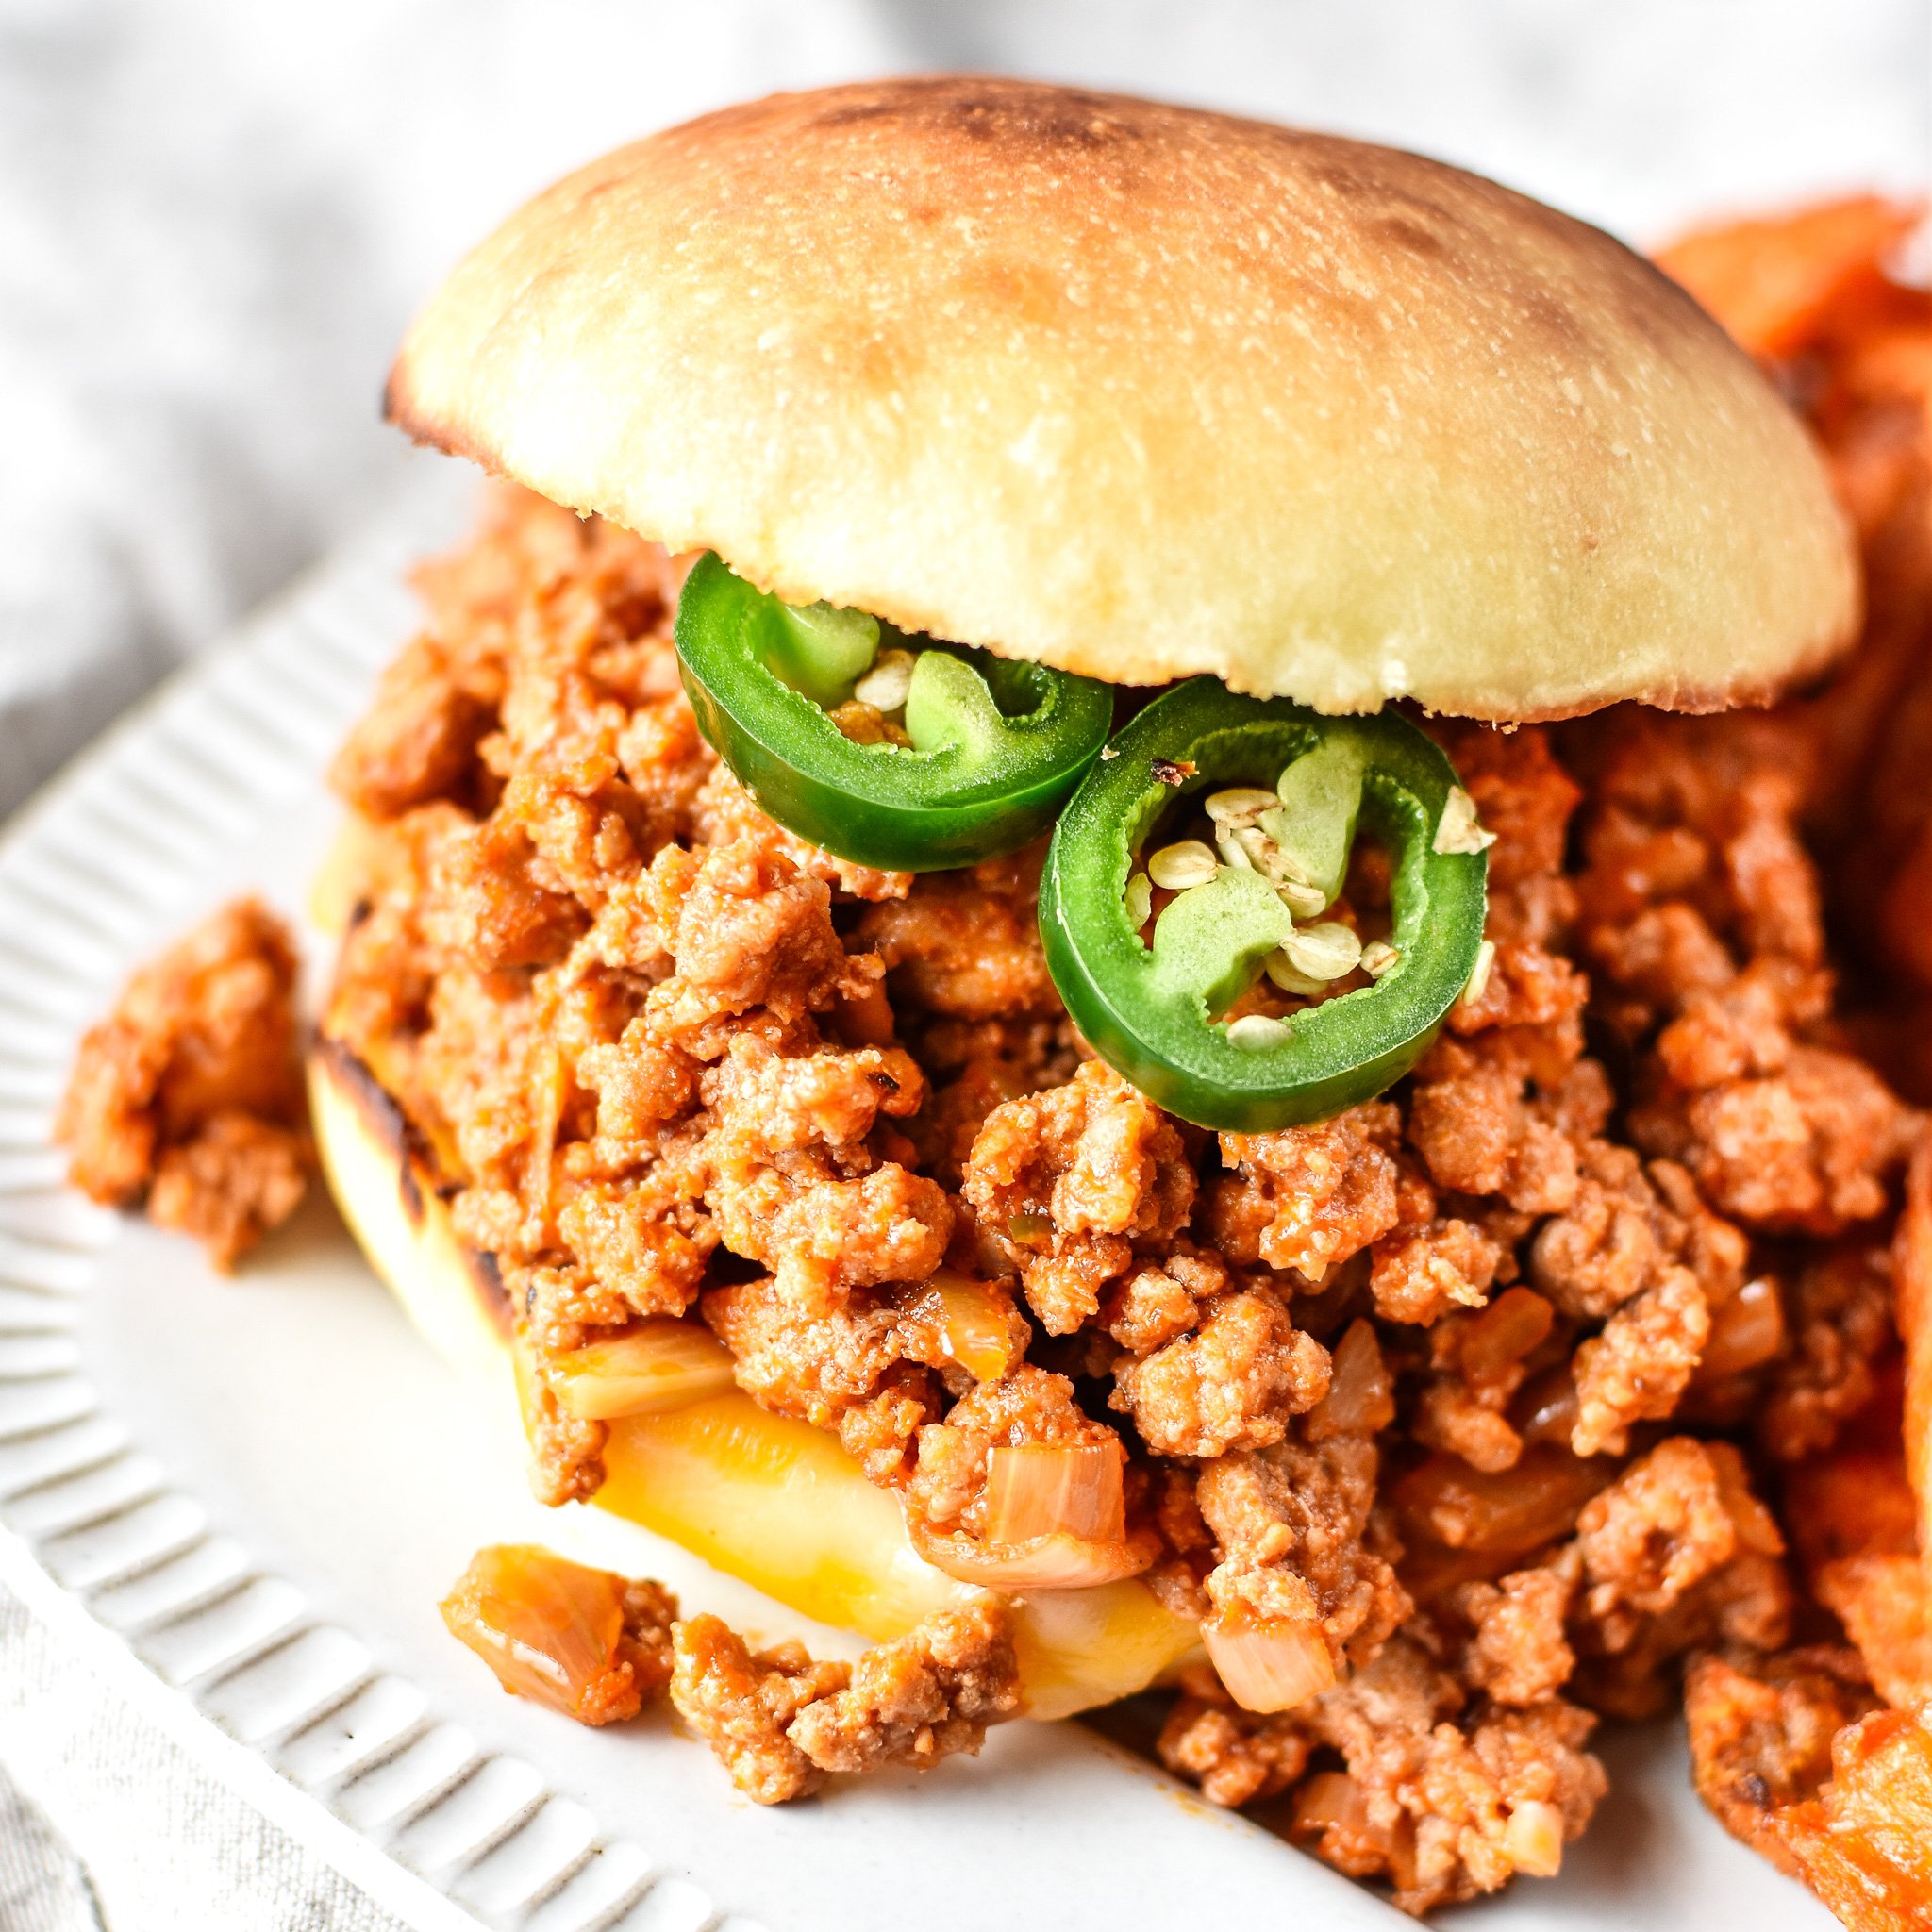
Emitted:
<point x="1865" y="1842"/>
<point x="1882" y="1601"/>
<point x="1771" y="283"/>
<point x="1854" y="1501"/>
<point x="1912" y="1284"/>
<point x="1905" y="911"/>
<point x="1851" y="1516"/>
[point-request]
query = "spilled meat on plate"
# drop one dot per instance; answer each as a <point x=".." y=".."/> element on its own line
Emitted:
<point x="1391" y="1227"/>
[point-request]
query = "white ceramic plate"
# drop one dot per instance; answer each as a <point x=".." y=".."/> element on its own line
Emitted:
<point x="246" y="1497"/>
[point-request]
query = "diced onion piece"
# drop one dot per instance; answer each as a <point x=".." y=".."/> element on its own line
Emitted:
<point x="1257" y="1032"/>
<point x="1044" y="1488"/>
<point x="1534" y="1838"/>
<point x="1239" y="806"/>
<point x="1360" y="1400"/>
<point x="1331" y="1801"/>
<point x="977" y="1330"/>
<point x="1331" y="1807"/>
<point x="1327" y="952"/>
<point x="1140" y="900"/>
<point x="1459" y="829"/>
<point x="1270" y="1667"/>
<point x="1504" y="1512"/>
<point x="1747" y="1329"/>
<point x="1545" y="1409"/>
<point x="1055" y="1520"/>
<point x="661" y="1364"/>
<point x="1378" y="955"/>
<point x="1045" y="1562"/>
<point x="1498" y="1337"/>
<point x="971" y="1322"/>
<point x="1186" y="862"/>
<point x="549" y="1628"/>
<point x="884" y="686"/>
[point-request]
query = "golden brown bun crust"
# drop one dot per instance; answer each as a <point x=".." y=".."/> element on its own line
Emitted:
<point x="1142" y="392"/>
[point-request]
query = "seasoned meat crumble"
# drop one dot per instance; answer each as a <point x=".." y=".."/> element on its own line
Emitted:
<point x="189" y="1095"/>
<point x="1538" y="1391"/>
<point x="779" y="1723"/>
<point x="647" y="1032"/>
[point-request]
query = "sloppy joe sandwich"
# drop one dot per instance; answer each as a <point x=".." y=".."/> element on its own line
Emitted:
<point x="953" y="955"/>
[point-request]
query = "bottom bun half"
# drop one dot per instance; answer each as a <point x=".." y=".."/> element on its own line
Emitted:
<point x="763" y="1497"/>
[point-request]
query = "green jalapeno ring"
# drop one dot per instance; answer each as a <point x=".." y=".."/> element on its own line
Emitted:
<point x="1149" y="1016"/>
<point x="1016" y="737"/>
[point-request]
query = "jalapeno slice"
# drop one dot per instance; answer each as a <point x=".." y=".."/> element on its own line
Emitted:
<point x="997" y="745"/>
<point x="1154" y="1012"/>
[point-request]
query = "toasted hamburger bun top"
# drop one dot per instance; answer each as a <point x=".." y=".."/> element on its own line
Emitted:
<point x="1140" y="392"/>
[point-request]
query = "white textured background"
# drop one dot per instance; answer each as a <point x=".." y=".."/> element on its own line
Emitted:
<point x="215" y="216"/>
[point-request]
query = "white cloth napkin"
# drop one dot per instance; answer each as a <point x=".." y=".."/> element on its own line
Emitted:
<point x="215" y="216"/>
<point x="107" y="1826"/>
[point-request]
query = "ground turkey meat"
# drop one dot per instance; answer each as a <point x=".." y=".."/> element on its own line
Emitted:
<point x="1442" y="1795"/>
<point x="1481" y="1129"/>
<point x="1232" y="1384"/>
<point x="841" y="1369"/>
<point x="1622" y="1231"/>
<point x="190" y="1093"/>
<point x="974" y="1066"/>
<point x="1069" y="1180"/>
<point x="1641" y="1363"/>
<point x="1482" y="1357"/>
<point x="1456" y="1377"/>
<point x="779" y="1723"/>
<point x="741" y="1702"/>
<point x="1676" y="1554"/>
<point x="921" y="1698"/>
<point x="1810" y="1147"/>
<point x="966" y="943"/>
<point x="1451" y="1808"/>
<point x="1882" y="1600"/>
<point x="1518" y="1650"/>
<point x="1294" y="1524"/>
<point x="1307" y="1198"/>
<point x="1669" y="1521"/>
<point x="1839" y="1315"/>
<point x="1237" y="1756"/>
